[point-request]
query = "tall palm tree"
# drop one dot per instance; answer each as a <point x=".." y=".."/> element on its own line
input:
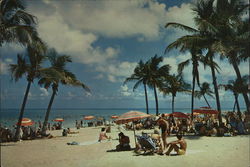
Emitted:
<point x="16" y="25"/>
<point x="235" y="86"/>
<point x="204" y="90"/>
<point x="172" y="85"/>
<point x="233" y="34"/>
<point x="156" y="75"/>
<point x="203" y="38"/>
<point x="140" y="75"/>
<point x="188" y="43"/>
<point x="29" y="65"/>
<point x="58" y="63"/>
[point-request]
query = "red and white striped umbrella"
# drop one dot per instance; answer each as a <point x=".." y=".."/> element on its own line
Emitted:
<point x="59" y="119"/>
<point x="88" y="117"/>
<point x="26" y="122"/>
<point x="131" y="116"/>
<point x="114" y="116"/>
<point x="205" y="110"/>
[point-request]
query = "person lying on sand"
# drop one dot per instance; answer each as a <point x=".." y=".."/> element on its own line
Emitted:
<point x="181" y="150"/>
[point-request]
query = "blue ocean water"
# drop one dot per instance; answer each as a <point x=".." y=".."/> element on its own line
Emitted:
<point x="9" y="117"/>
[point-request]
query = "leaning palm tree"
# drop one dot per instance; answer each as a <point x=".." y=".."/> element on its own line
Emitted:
<point x="204" y="90"/>
<point x="156" y="75"/>
<point x="235" y="86"/>
<point x="58" y="63"/>
<point x="140" y="75"/>
<point x="16" y="25"/>
<point x="172" y="85"/>
<point x="29" y="65"/>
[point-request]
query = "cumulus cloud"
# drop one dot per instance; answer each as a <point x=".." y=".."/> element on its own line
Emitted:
<point x="118" y="71"/>
<point x="125" y="90"/>
<point x="44" y="92"/>
<point x="4" y="66"/>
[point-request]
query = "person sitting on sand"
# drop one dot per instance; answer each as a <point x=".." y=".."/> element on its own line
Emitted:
<point x="181" y="150"/>
<point x="157" y="139"/>
<point x="103" y="135"/>
<point x="123" y="143"/>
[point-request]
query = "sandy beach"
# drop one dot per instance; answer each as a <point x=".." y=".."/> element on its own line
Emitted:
<point x="201" y="152"/>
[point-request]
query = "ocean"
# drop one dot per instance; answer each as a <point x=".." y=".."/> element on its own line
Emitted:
<point x="9" y="117"/>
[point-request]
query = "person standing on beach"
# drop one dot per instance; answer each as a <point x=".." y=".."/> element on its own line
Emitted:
<point x="164" y="126"/>
<point x="181" y="150"/>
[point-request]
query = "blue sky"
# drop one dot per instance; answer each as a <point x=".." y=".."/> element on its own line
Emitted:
<point x="106" y="40"/>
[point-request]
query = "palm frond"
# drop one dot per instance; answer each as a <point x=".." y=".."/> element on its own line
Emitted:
<point x="181" y="27"/>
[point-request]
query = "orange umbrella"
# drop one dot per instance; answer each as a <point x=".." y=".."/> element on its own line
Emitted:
<point x="88" y="117"/>
<point x="114" y="116"/>
<point x="59" y="119"/>
<point x="26" y="122"/>
<point x="205" y="110"/>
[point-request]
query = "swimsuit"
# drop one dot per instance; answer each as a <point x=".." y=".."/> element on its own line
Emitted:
<point x="181" y="152"/>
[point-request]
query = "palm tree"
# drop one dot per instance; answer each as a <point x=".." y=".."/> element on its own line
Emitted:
<point x="204" y="90"/>
<point x="202" y="38"/>
<point x="156" y="75"/>
<point x="58" y="63"/>
<point x="17" y="25"/>
<point x="30" y="66"/>
<point x="233" y="34"/>
<point x="236" y="88"/>
<point x="172" y="85"/>
<point x="140" y="75"/>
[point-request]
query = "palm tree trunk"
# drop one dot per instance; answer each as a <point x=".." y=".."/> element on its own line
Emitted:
<point x="172" y="103"/>
<point x="234" y="106"/>
<point x="238" y="106"/>
<point x="48" y="113"/>
<point x="237" y="71"/>
<point x="17" y="134"/>
<point x="192" y="100"/>
<point x="216" y="90"/>
<point x="156" y="101"/>
<point x="146" y="97"/>
<point x="206" y="101"/>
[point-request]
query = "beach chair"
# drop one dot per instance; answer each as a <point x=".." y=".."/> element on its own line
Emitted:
<point x="146" y="143"/>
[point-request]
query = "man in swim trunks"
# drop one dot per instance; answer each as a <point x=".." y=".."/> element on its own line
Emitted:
<point x="164" y="126"/>
<point x="181" y="150"/>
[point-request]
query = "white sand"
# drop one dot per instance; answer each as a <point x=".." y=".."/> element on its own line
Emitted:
<point x="202" y="152"/>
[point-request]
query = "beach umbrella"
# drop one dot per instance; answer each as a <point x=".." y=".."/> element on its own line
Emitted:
<point x="59" y="119"/>
<point x="26" y="122"/>
<point x="90" y="117"/>
<point x="131" y="116"/>
<point x="114" y="116"/>
<point x="205" y="110"/>
<point x="177" y="114"/>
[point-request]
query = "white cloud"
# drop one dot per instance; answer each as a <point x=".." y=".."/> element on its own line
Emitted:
<point x="4" y="66"/>
<point x="116" y="71"/>
<point x="125" y="91"/>
<point x="65" y="39"/>
<point x="44" y="92"/>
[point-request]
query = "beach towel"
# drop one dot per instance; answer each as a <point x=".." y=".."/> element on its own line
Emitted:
<point x="86" y="143"/>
